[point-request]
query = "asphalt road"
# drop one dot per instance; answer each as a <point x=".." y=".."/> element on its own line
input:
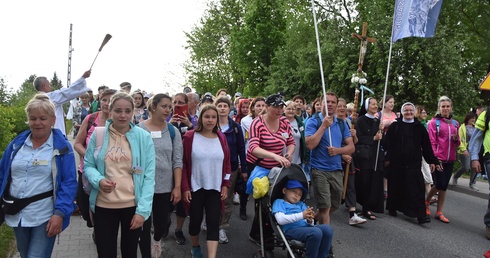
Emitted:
<point x="387" y="236"/>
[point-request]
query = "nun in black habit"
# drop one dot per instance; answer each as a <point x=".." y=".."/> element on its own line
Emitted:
<point x="369" y="173"/>
<point x="406" y="142"/>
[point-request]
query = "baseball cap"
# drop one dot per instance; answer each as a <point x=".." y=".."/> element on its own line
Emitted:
<point x="207" y="98"/>
<point x="275" y="100"/>
<point x="148" y="95"/>
<point x="292" y="184"/>
<point x="238" y="94"/>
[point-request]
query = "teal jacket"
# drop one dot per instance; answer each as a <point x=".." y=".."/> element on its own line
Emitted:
<point x="143" y="156"/>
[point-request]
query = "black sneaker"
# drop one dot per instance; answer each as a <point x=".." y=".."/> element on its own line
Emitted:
<point x="243" y="214"/>
<point x="179" y="237"/>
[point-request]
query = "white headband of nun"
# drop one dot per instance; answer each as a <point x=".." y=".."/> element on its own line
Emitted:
<point x="407" y="103"/>
<point x="366" y="105"/>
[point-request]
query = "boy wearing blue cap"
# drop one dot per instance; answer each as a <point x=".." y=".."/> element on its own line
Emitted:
<point x="296" y="220"/>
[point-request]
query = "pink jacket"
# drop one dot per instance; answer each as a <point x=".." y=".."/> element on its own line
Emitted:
<point x="440" y="134"/>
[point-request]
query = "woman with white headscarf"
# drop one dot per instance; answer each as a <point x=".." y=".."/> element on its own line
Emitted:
<point x="406" y="142"/>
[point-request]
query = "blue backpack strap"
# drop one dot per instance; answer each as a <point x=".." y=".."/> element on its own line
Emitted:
<point x="438" y="124"/>
<point x="171" y="130"/>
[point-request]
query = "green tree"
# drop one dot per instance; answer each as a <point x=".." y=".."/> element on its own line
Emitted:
<point x="256" y="43"/>
<point x="271" y="46"/>
<point x="211" y="65"/>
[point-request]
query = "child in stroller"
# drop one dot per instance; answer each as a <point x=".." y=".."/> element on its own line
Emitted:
<point x="296" y="220"/>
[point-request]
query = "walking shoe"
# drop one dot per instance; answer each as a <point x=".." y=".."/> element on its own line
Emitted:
<point x="236" y="199"/>
<point x="474" y="187"/>
<point x="223" y="239"/>
<point x="356" y="220"/>
<point x="488" y="233"/>
<point x="441" y="217"/>
<point x="455" y="181"/>
<point x="156" y="248"/>
<point x="423" y="220"/>
<point x="204" y="227"/>
<point x="196" y="252"/>
<point x="179" y="237"/>
<point x="243" y="214"/>
<point x="485" y="177"/>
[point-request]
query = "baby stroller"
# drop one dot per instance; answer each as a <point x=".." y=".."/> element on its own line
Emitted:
<point x="278" y="178"/>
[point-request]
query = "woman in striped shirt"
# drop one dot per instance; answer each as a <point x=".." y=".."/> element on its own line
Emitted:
<point x="270" y="134"/>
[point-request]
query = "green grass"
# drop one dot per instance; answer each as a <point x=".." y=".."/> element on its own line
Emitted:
<point x="6" y="240"/>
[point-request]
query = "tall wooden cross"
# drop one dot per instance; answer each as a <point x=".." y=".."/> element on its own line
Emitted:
<point x="364" y="40"/>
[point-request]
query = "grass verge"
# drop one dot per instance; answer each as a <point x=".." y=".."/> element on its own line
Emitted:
<point x="6" y="240"/>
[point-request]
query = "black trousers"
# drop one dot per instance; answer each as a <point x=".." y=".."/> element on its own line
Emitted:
<point x="107" y="223"/>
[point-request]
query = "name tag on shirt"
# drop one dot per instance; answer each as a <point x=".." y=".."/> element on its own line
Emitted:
<point x="37" y="162"/>
<point x="285" y="135"/>
<point x="137" y="170"/>
<point x="301" y="129"/>
<point x="156" y="134"/>
<point x="227" y="176"/>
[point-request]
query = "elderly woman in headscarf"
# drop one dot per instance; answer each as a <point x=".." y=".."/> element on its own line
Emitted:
<point x="406" y="142"/>
<point x="369" y="179"/>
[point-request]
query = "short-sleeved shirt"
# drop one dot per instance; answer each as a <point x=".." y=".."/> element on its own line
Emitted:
<point x="260" y="136"/>
<point x="320" y="159"/>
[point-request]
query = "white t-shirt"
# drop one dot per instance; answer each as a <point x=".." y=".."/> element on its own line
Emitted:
<point x="207" y="163"/>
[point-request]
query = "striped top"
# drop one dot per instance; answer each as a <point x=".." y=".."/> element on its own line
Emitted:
<point x="260" y="136"/>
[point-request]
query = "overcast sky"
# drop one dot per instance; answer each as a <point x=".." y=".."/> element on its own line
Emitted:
<point x="146" y="49"/>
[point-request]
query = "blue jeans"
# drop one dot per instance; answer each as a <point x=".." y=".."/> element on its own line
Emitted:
<point x="465" y="166"/>
<point x="33" y="242"/>
<point x="318" y="239"/>
<point x="486" y="219"/>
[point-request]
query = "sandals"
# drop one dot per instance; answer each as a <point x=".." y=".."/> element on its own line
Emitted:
<point x="441" y="217"/>
<point x="368" y="215"/>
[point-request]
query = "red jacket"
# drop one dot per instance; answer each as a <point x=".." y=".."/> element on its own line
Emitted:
<point x="187" y="162"/>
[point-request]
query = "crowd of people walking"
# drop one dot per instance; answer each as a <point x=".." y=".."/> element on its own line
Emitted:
<point x="145" y="156"/>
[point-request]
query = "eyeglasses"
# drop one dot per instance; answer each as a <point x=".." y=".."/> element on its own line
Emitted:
<point x="408" y="111"/>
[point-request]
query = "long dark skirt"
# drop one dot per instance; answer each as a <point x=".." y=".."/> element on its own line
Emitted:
<point x="406" y="191"/>
<point x="369" y="189"/>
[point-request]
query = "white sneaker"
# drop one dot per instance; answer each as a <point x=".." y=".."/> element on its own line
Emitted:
<point x="156" y="248"/>
<point x="236" y="198"/>
<point x="223" y="239"/>
<point x="204" y="227"/>
<point x="474" y="188"/>
<point x="455" y="181"/>
<point x="356" y="220"/>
